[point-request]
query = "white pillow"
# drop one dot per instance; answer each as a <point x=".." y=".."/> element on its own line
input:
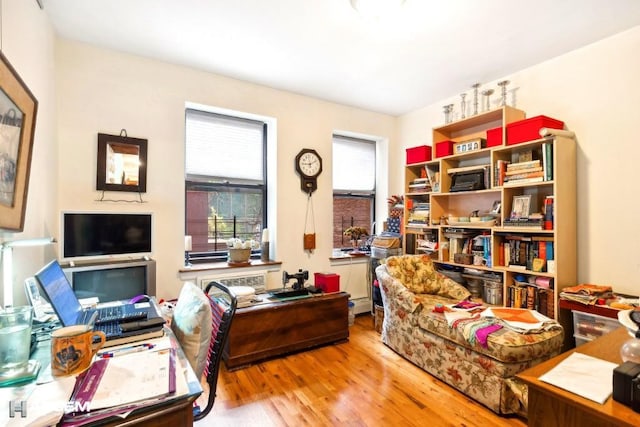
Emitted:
<point x="192" y="325"/>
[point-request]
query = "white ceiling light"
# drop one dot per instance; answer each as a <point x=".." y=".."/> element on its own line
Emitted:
<point x="376" y="8"/>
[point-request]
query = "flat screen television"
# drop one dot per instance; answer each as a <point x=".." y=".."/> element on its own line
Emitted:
<point x="105" y="235"/>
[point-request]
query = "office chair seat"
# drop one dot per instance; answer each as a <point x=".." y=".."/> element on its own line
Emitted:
<point x="223" y="307"/>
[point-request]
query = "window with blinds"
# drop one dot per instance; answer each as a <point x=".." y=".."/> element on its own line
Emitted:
<point x="225" y="181"/>
<point x="354" y="187"/>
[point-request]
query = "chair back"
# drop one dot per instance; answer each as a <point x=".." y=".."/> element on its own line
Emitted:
<point x="223" y="307"/>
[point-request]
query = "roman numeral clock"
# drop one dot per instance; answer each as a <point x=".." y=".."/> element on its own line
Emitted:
<point x="308" y="166"/>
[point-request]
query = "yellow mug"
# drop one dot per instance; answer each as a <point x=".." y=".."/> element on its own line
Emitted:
<point x="72" y="349"/>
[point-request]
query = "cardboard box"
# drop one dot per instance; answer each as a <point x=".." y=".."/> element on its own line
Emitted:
<point x="494" y="137"/>
<point x="444" y="148"/>
<point x="418" y="154"/>
<point x="328" y="282"/>
<point x="529" y="129"/>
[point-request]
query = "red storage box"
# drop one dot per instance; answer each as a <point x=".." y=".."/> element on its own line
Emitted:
<point x="418" y="154"/>
<point x="529" y="129"/>
<point x="444" y="148"/>
<point x="494" y="137"/>
<point x="328" y="282"/>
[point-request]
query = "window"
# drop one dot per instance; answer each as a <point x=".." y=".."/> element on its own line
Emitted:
<point x="225" y="181"/>
<point x="354" y="186"/>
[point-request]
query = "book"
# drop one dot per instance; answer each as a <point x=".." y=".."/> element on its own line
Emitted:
<point x="523" y="165"/>
<point x="522" y="171"/>
<point x="135" y="338"/>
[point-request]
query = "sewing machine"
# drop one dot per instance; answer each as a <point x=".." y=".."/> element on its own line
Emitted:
<point x="297" y="289"/>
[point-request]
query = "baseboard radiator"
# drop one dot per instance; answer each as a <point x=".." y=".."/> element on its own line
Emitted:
<point x="257" y="280"/>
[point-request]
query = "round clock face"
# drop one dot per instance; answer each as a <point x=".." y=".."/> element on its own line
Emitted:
<point x="309" y="164"/>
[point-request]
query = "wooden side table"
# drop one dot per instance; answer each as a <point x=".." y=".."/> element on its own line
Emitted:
<point x="551" y="406"/>
<point x="276" y="328"/>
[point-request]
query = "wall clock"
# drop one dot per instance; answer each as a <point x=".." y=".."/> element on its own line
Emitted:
<point x="308" y="166"/>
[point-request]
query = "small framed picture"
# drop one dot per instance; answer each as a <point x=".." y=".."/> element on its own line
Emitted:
<point x="495" y="209"/>
<point x="521" y="206"/>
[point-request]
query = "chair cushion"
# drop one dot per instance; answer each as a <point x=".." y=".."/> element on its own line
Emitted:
<point x="417" y="273"/>
<point x="192" y="325"/>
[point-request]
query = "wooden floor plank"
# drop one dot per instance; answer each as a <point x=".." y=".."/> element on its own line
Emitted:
<point x="357" y="383"/>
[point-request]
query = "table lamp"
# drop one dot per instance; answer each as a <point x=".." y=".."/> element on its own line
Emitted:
<point x="7" y="263"/>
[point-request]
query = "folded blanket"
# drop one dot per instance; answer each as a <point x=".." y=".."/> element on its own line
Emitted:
<point x="521" y="320"/>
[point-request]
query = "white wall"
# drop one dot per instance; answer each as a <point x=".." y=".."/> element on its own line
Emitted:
<point x="595" y="91"/>
<point x="28" y="44"/>
<point x="105" y="91"/>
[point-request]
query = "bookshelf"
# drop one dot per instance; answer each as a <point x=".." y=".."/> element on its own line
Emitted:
<point x="541" y="177"/>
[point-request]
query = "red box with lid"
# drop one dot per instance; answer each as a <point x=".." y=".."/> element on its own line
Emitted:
<point x="494" y="137"/>
<point x="444" y="148"/>
<point x="529" y="129"/>
<point x="328" y="282"/>
<point x="418" y="154"/>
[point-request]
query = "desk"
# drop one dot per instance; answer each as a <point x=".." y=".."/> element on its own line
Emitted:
<point x="176" y="411"/>
<point x="551" y="406"/>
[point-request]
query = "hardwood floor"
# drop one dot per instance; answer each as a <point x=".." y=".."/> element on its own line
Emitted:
<point x="357" y="383"/>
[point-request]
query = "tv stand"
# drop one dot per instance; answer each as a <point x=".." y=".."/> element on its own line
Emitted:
<point x="276" y="328"/>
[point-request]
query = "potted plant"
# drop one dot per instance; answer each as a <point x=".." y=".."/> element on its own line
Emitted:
<point x="240" y="250"/>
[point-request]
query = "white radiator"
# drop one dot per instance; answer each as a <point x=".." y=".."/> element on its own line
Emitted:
<point x="257" y="280"/>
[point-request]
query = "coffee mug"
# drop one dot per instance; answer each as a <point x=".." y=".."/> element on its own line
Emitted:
<point x="72" y="349"/>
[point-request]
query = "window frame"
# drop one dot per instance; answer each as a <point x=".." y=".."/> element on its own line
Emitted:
<point x="212" y="183"/>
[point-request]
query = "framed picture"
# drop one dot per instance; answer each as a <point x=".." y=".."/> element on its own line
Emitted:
<point x="122" y="163"/>
<point x="521" y="206"/>
<point x="18" y="108"/>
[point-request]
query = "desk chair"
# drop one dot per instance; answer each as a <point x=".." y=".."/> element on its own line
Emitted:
<point x="223" y="307"/>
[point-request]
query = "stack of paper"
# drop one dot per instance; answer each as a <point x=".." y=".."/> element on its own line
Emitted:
<point x="583" y="375"/>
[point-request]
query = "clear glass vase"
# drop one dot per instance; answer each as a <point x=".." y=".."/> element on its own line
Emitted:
<point x="630" y="350"/>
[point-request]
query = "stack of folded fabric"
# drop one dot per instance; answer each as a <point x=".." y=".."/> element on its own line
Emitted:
<point x="586" y="293"/>
<point x="245" y="295"/>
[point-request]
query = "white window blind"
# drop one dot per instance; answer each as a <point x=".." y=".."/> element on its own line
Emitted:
<point x="223" y="148"/>
<point x="354" y="165"/>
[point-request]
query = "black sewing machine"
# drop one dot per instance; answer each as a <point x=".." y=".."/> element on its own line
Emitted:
<point x="297" y="289"/>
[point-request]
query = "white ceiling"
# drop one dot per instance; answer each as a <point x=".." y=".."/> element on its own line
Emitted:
<point x="430" y="50"/>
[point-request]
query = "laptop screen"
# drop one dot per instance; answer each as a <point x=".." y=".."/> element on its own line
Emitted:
<point x="57" y="288"/>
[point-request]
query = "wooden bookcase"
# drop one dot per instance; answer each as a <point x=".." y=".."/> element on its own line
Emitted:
<point x="560" y="186"/>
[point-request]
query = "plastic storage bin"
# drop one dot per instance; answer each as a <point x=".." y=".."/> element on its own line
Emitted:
<point x="591" y="326"/>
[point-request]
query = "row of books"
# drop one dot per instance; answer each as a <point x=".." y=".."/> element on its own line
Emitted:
<point x="531" y="297"/>
<point x="420" y="185"/>
<point x="526" y="171"/>
<point x="419" y="215"/>
<point x="526" y="252"/>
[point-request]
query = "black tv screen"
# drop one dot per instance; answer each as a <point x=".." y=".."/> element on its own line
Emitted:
<point x="94" y="235"/>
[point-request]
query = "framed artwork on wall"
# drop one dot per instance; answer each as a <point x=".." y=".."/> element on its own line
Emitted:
<point x="122" y="163"/>
<point x="18" y="109"/>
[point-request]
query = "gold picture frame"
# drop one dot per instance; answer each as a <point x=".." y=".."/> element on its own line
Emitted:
<point x="18" y="110"/>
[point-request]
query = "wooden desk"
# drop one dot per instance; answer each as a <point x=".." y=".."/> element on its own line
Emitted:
<point x="175" y="411"/>
<point x="276" y="328"/>
<point x="550" y="406"/>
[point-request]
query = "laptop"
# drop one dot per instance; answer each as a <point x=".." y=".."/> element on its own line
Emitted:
<point x="116" y="321"/>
